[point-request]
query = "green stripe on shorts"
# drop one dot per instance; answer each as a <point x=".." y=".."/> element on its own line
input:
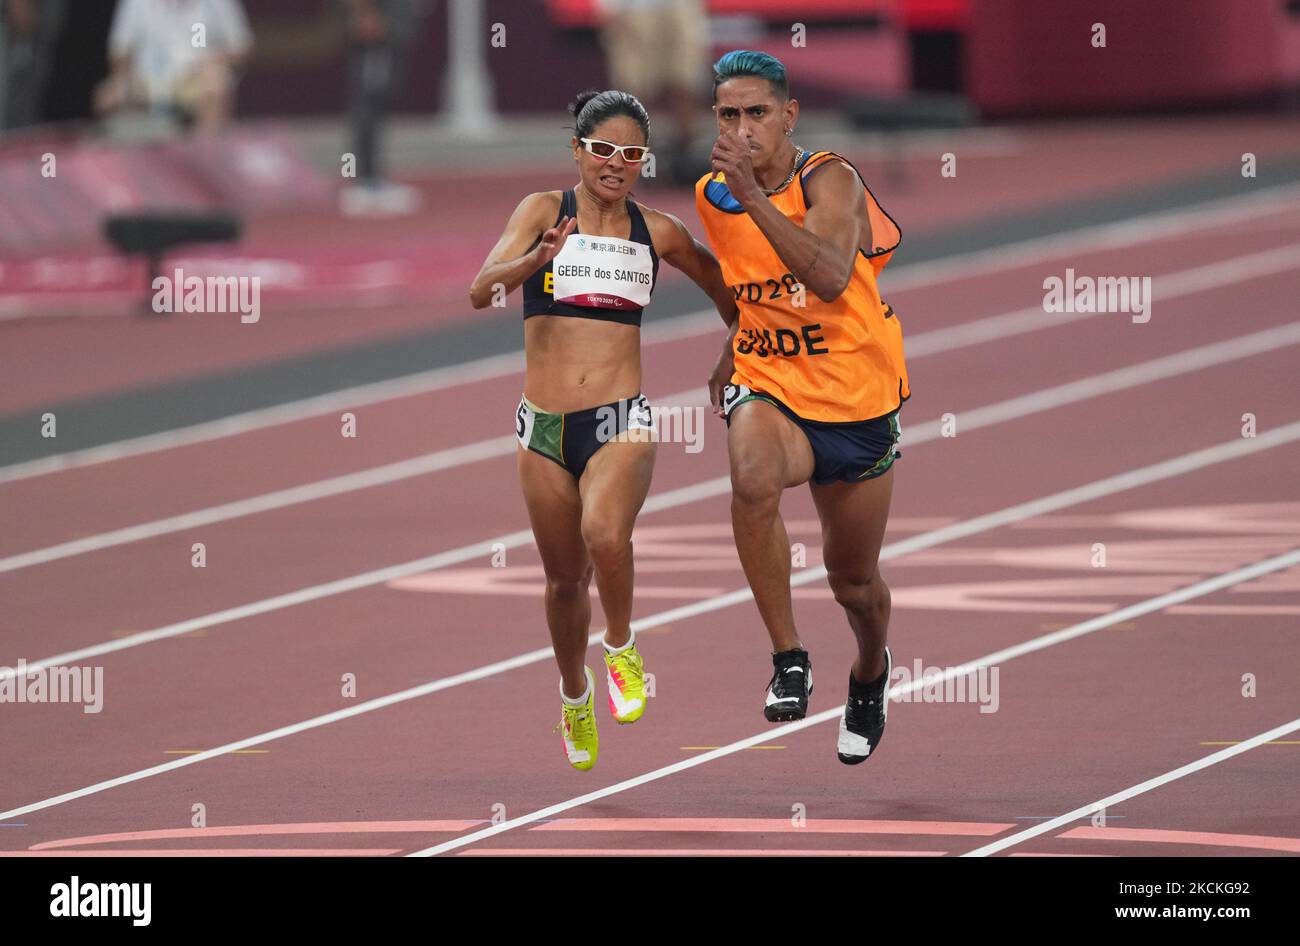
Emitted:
<point x="547" y="435"/>
<point x="885" y="462"/>
<point x="754" y="396"/>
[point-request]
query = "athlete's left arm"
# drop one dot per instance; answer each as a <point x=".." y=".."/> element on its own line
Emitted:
<point x="822" y="252"/>
<point x="674" y="243"/>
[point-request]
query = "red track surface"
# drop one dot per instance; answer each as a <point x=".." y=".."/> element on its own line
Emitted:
<point x="1075" y="721"/>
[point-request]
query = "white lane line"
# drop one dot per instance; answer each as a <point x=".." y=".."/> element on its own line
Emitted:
<point x="288" y="412"/>
<point x="973" y="419"/>
<point x="1174" y="775"/>
<point x="1144" y="228"/>
<point x="1186" y="282"/>
<point x="424" y="382"/>
<point x="481" y="551"/>
<point x="1120" y="379"/>
<point x="904" y="277"/>
<point x="1197" y="459"/>
<point x="1201" y="588"/>
<point x="267" y="502"/>
<point x="1170" y="286"/>
<point x="281" y="498"/>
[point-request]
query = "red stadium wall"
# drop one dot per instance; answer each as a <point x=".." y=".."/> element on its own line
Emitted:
<point x="1031" y="56"/>
<point x="936" y="14"/>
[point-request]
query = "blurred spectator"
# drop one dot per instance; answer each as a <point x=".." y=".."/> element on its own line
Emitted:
<point x="379" y="33"/>
<point x="29" y="32"/>
<point x="177" y="56"/>
<point x="659" y="51"/>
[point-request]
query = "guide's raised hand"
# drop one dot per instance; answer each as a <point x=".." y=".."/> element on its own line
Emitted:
<point x="731" y="156"/>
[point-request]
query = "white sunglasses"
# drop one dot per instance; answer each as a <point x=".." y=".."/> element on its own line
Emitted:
<point x="632" y="154"/>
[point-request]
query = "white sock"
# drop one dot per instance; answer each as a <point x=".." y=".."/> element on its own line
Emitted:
<point x="615" y="651"/>
<point x="579" y="700"/>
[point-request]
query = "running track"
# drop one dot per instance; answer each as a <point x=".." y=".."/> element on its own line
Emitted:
<point x="223" y="683"/>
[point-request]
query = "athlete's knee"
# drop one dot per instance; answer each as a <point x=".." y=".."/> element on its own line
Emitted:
<point x="861" y="595"/>
<point x="608" y="543"/>
<point x="569" y="585"/>
<point x="756" y="485"/>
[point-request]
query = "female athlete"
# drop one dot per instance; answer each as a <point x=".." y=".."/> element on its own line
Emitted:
<point x="588" y="259"/>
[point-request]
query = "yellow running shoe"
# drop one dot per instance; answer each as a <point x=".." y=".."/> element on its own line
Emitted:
<point x="578" y="728"/>
<point x="625" y="676"/>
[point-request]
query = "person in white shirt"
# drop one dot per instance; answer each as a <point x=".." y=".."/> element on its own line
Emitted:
<point x="180" y="56"/>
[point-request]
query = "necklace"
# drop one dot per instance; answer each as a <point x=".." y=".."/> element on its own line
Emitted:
<point x="798" y="156"/>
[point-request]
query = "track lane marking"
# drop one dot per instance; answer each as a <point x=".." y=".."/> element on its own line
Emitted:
<point x="1141" y="788"/>
<point x="1170" y="286"/>
<point x="1196" y="460"/>
<point x="1151" y="605"/>
<point x="1071" y="392"/>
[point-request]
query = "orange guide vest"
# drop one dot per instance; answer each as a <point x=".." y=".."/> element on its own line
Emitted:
<point x="833" y="362"/>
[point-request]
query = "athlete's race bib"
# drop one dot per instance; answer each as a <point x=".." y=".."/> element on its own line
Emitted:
<point x="733" y="394"/>
<point x="613" y="419"/>
<point x="603" y="272"/>
<point x="524" y="421"/>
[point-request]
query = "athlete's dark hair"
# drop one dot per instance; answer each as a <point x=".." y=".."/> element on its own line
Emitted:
<point x="591" y="108"/>
<point x="750" y="62"/>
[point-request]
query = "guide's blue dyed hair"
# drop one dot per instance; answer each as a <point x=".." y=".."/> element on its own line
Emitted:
<point x="740" y="63"/>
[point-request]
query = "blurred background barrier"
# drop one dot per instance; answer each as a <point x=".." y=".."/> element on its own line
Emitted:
<point x="248" y="170"/>
<point x="1024" y="60"/>
<point x="1006" y="56"/>
<point x="152" y="234"/>
<point x="373" y="147"/>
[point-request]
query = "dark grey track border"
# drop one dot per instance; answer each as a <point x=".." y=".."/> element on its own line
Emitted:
<point x="138" y="412"/>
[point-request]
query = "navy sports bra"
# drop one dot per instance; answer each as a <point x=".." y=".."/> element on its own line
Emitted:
<point x="596" y="277"/>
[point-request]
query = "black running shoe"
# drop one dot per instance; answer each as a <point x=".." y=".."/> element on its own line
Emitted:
<point x="863" y="722"/>
<point x="790" y="686"/>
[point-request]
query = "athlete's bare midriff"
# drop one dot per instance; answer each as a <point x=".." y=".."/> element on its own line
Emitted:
<point x="576" y="363"/>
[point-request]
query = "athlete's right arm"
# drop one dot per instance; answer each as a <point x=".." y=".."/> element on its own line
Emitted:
<point x="519" y="253"/>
